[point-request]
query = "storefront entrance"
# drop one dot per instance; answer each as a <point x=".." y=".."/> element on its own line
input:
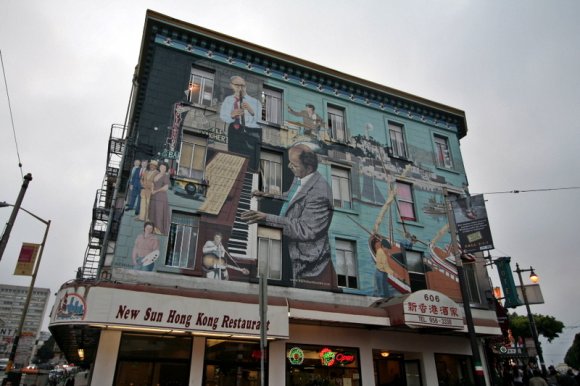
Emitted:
<point x="149" y="360"/>
<point x="389" y="369"/>
<point x="231" y="363"/>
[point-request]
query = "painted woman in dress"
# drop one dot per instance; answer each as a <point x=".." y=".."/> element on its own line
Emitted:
<point x="159" y="206"/>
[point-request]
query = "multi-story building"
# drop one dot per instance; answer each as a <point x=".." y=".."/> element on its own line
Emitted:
<point x="12" y="300"/>
<point x="237" y="163"/>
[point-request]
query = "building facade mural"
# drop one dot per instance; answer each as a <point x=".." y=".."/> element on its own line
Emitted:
<point x="371" y="220"/>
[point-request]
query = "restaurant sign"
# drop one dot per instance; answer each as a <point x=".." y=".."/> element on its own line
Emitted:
<point x="423" y="309"/>
<point x="110" y="307"/>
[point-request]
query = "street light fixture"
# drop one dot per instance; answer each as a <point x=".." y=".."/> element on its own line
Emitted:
<point x="32" y="281"/>
<point x="534" y="279"/>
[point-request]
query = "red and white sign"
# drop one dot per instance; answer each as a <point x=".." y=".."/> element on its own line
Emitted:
<point x="425" y="308"/>
<point x="120" y="307"/>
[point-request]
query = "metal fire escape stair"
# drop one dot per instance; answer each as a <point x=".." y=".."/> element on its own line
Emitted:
<point x="103" y="217"/>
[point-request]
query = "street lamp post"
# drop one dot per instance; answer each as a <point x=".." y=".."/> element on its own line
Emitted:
<point x="534" y="278"/>
<point x="12" y="219"/>
<point x="30" y="289"/>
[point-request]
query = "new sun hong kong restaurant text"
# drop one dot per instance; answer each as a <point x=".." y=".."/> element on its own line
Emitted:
<point x="185" y="320"/>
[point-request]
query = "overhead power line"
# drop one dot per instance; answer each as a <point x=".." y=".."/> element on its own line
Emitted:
<point x="533" y="190"/>
<point x="11" y="116"/>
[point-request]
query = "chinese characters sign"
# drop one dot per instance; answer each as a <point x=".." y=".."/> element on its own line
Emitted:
<point x="431" y="309"/>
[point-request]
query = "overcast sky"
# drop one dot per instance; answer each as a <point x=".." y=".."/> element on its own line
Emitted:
<point x="512" y="66"/>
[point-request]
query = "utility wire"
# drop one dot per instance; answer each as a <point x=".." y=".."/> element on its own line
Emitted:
<point x="534" y="190"/>
<point x="11" y="116"/>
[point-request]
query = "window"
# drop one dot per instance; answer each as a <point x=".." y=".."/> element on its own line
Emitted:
<point x="271" y="172"/>
<point x="442" y="154"/>
<point x="200" y="87"/>
<point x="192" y="156"/>
<point x="154" y="359"/>
<point x="231" y="362"/>
<point x="471" y="280"/>
<point x="272" y="106"/>
<point x="405" y="201"/>
<point x="397" y="138"/>
<point x="341" y="188"/>
<point x="182" y="240"/>
<point x="416" y="269"/>
<point x="270" y="251"/>
<point x="346" y="270"/>
<point x="336" y="123"/>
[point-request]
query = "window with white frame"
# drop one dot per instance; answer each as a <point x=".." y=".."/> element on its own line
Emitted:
<point x="271" y="172"/>
<point x="346" y="267"/>
<point x="271" y="105"/>
<point x="201" y="87"/>
<point x="442" y="153"/>
<point x="405" y="201"/>
<point x="336" y="123"/>
<point x="416" y="268"/>
<point x="270" y="251"/>
<point x="397" y="137"/>
<point x="192" y="156"/>
<point x="341" y="188"/>
<point x="182" y="240"/>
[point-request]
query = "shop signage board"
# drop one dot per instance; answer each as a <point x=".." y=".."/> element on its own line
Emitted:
<point x="108" y="307"/>
<point x="425" y="308"/>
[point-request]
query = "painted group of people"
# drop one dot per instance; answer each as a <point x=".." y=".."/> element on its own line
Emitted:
<point x="148" y="186"/>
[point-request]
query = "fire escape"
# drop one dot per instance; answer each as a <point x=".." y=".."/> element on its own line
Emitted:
<point x="105" y="220"/>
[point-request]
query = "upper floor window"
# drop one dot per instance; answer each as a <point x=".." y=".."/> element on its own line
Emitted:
<point x="341" y="188"/>
<point x="416" y="269"/>
<point x="201" y="87"/>
<point x="271" y="172"/>
<point x="270" y="251"/>
<point x="442" y="153"/>
<point x="346" y="269"/>
<point x="405" y="201"/>
<point x="182" y="240"/>
<point x="397" y="137"/>
<point x="192" y="156"/>
<point x="271" y="106"/>
<point x="336" y="123"/>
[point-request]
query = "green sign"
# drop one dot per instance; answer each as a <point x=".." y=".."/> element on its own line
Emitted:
<point x="507" y="282"/>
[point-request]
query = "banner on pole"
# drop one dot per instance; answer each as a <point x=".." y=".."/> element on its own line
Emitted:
<point x="26" y="259"/>
<point x="472" y="224"/>
<point x="506" y="277"/>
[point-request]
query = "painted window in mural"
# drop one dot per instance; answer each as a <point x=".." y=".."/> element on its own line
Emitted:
<point x="201" y="87"/>
<point x="397" y="137"/>
<point x="270" y="249"/>
<point x="416" y="270"/>
<point x="192" y="156"/>
<point x="336" y="123"/>
<point x="346" y="268"/>
<point x="341" y="188"/>
<point x="182" y="241"/>
<point x="405" y="201"/>
<point x="271" y="105"/>
<point x="271" y="172"/>
<point x="442" y="154"/>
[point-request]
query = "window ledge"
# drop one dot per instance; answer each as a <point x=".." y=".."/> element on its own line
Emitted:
<point x="450" y="170"/>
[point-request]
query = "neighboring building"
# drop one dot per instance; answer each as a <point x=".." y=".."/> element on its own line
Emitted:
<point x="362" y="286"/>
<point x="12" y="299"/>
